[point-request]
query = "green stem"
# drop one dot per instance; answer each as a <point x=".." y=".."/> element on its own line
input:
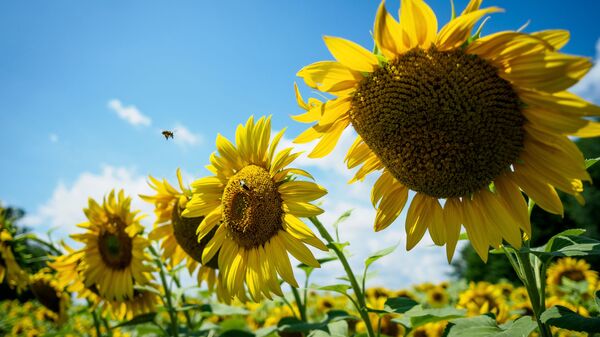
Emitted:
<point x="362" y="306"/>
<point x="533" y="291"/>
<point x="188" y="318"/>
<point x="169" y="303"/>
<point x="96" y="322"/>
<point x="290" y="306"/>
<point x="107" y="327"/>
<point x="299" y="303"/>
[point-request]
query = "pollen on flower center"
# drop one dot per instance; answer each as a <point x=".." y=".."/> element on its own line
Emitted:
<point x="442" y="123"/>
<point x="184" y="230"/>
<point x="252" y="207"/>
<point x="116" y="248"/>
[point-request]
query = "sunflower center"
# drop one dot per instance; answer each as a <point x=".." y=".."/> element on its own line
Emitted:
<point x="252" y="207"/>
<point x="442" y="123"/>
<point x="46" y="294"/>
<point x="116" y="248"/>
<point x="573" y="275"/>
<point x="184" y="230"/>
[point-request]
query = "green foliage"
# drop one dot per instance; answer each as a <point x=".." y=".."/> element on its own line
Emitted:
<point x="566" y="318"/>
<point x="486" y="326"/>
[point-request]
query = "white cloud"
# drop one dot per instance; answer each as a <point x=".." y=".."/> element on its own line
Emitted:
<point x="184" y="137"/>
<point x="130" y="113"/>
<point x="64" y="209"/>
<point x="589" y="87"/>
<point x="53" y="137"/>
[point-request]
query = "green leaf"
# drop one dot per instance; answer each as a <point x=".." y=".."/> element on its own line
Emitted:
<point x="565" y="318"/>
<point x="338" y="288"/>
<point x="399" y="305"/>
<point x="339" y="220"/>
<point x="335" y="329"/>
<point x="566" y="245"/>
<point x="574" y="232"/>
<point x="379" y="254"/>
<point x="591" y="162"/>
<point x="292" y="324"/>
<point x="486" y="326"/>
<point x="140" y="319"/>
<point x="308" y="269"/>
<point x="223" y="309"/>
<point x="424" y="316"/>
<point x="266" y="331"/>
<point x="148" y="289"/>
<point x="338" y="245"/>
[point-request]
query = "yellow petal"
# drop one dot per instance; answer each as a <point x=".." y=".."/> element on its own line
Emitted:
<point x="301" y="191"/>
<point x="392" y="203"/>
<point x="209" y="222"/>
<point x="472" y="6"/>
<point x="453" y="219"/>
<point x="557" y="38"/>
<point x="299" y="99"/>
<point x="351" y="54"/>
<point x="457" y="31"/>
<point x="554" y="121"/>
<point x="298" y="250"/>
<point x="562" y="102"/>
<point x="329" y="139"/>
<point x="591" y="129"/>
<point x="301" y="209"/>
<point x="387" y="33"/>
<point x="329" y="76"/>
<point x="299" y="230"/>
<point x="513" y="200"/>
<point x="543" y="194"/>
<point x="475" y="230"/>
<point x="418" y="23"/>
<point x="334" y="110"/>
<point x="279" y="255"/>
<point x="415" y="224"/>
<point x="437" y="227"/>
<point x="213" y="246"/>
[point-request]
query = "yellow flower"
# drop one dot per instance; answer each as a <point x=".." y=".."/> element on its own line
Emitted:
<point x="178" y="234"/>
<point x="255" y="206"/>
<point x="142" y="302"/>
<point x="429" y="330"/>
<point x="481" y="298"/>
<point x="10" y="270"/>
<point x="437" y="297"/>
<point x="113" y="254"/>
<point x="573" y="269"/>
<point x="519" y="295"/>
<point x="466" y="121"/>
<point x="51" y="295"/>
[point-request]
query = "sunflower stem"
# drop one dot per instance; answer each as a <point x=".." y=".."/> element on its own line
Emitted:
<point x="301" y="306"/>
<point x="169" y="303"/>
<point x="537" y="300"/>
<point x="188" y="318"/>
<point x="96" y="322"/>
<point x="107" y="327"/>
<point x="360" y="297"/>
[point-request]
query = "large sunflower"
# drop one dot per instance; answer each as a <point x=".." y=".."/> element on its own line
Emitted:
<point x="470" y="121"/>
<point x="178" y="234"/>
<point x="10" y="270"/>
<point x="113" y="256"/>
<point x="255" y="205"/>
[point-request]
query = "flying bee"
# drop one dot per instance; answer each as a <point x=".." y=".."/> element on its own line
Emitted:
<point x="244" y="185"/>
<point x="168" y="134"/>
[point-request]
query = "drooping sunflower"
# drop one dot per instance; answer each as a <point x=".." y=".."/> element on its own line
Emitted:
<point x="576" y="270"/>
<point x="15" y="276"/>
<point x="178" y="234"/>
<point x="255" y="204"/>
<point x="113" y="258"/>
<point x="466" y="122"/>
<point x="51" y="295"/>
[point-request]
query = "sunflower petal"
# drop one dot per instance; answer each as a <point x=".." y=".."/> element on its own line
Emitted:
<point x="351" y="54"/>
<point x="387" y="33"/>
<point x="457" y="31"/>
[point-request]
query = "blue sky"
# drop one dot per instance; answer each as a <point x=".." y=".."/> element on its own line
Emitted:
<point x="67" y="69"/>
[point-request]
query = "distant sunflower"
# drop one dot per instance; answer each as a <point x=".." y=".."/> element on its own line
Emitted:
<point x="142" y="302"/>
<point x="572" y="269"/>
<point x="178" y="234"/>
<point x="483" y="297"/>
<point x="255" y="206"/>
<point x="51" y="295"/>
<point x="437" y="297"/>
<point x="15" y="276"/>
<point x="454" y="117"/>
<point x="113" y="257"/>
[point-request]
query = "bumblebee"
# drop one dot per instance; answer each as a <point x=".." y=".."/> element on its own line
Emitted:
<point x="168" y="134"/>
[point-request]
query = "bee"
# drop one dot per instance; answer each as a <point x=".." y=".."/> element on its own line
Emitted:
<point x="244" y="186"/>
<point x="168" y="134"/>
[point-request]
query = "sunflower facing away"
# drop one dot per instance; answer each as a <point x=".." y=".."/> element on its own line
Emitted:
<point x="113" y="257"/>
<point x="255" y="204"/>
<point x="51" y="295"/>
<point x="178" y="234"/>
<point x="466" y="120"/>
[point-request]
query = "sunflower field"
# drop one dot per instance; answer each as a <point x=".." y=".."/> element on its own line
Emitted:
<point x="466" y="133"/>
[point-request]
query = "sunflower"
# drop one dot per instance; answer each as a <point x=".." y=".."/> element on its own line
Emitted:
<point x="572" y="269"/>
<point x="50" y="294"/>
<point x="143" y="301"/>
<point x="483" y="297"/>
<point x="437" y="297"/>
<point x="465" y="122"/>
<point x="255" y="204"/>
<point x="178" y="234"/>
<point x="15" y="276"/>
<point x="113" y="256"/>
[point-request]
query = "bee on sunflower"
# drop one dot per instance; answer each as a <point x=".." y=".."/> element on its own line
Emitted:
<point x="465" y="122"/>
<point x="255" y="205"/>
<point x="178" y="234"/>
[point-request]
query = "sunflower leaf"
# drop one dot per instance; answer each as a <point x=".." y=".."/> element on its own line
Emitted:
<point x="486" y="326"/>
<point x="591" y="162"/>
<point x="379" y="254"/>
<point x="418" y="316"/>
<point x="338" y="288"/>
<point x="339" y="220"/>
<point x="565" y="318"/>
<point x="399" y="305"/>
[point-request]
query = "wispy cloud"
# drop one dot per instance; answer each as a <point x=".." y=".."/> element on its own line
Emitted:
<point x="184" y="137"/>
<point x="589" y="87"/>
<point x="53" y="137"/>
<point x="130" y="113"/>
